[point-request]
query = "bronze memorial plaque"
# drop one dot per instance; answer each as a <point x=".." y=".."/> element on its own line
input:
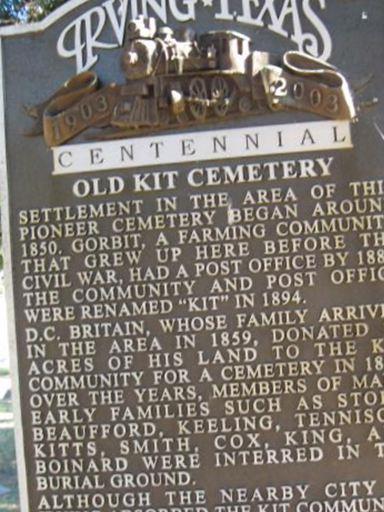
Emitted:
<point x="193" y="214"/>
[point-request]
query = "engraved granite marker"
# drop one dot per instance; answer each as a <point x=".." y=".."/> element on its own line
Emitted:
<point x="195" y="255"/>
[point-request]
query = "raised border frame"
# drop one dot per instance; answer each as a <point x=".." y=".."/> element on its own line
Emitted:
<point x="9" y="297"/>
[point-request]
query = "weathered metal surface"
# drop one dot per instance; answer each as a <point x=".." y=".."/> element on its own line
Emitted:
<point x="176" y="83"/>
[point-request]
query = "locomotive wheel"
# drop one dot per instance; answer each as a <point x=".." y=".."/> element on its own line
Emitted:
<point x="198" y="98"/>
<point x="164" y="117"/>
<point x="221" y="95"/>
<point x="182" y="118"/>
<point x="245" y="104"/>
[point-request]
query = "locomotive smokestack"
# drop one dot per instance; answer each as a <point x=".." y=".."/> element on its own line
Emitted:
<point x="141" y="28"/>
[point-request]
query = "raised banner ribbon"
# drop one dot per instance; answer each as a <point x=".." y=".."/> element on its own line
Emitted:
<point x="79" y="104"/>
<point x="309" y="84"/>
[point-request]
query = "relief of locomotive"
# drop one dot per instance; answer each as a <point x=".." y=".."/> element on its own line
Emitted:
<point x="179" y="79"/>
<point x="186" y="80"/>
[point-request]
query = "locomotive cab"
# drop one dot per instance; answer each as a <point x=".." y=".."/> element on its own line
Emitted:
<point x="232" y="50"/>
